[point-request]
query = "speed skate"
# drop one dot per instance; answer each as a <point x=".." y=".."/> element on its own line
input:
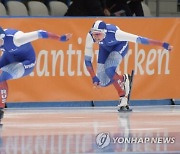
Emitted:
<point x="126" y="108"/>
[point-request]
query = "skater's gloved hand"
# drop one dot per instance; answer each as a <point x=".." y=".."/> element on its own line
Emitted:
<point x="62" y="38"/>
<point x="167" y="46"/>
<point x="96" y="81"/>
<point x="65" y="37"/>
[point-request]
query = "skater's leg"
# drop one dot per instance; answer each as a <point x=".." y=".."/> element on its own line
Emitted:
<point x="3" y="94"/>
<point x="127" y="99"/>
<point x="120" y="82"/>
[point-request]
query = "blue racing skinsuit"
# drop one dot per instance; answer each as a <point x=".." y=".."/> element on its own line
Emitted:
<point x="112" y="49"/>
<point x="18" y="58"/>
<point x="16" y="61"/>
<point x="113" y="46"/>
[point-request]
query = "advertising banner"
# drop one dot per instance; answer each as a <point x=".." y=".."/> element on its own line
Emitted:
<point x="60" y="73"/>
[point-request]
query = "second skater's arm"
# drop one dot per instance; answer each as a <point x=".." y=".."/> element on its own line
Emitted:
<point x="124" y="36"/>
<point x="21" y="38"/>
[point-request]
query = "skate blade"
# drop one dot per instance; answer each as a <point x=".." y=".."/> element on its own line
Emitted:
<point x="124" y="109"/>
<point x="1" y="114"/>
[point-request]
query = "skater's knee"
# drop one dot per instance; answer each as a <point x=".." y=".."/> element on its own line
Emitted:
<point x="105" y="84"/>
<point x="110" y="72"/>
<point x="13" y="71"/>
<point x="4" y="76"/>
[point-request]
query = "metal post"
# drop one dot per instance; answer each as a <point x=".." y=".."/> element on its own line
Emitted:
<point x="146" y="1"/>
<point x="157" y="8"/>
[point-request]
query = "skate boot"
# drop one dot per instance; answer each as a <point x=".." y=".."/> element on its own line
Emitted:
<point x="123" y="105"/>
<point x="1" y="114"/>
<point x="126" y="82"/>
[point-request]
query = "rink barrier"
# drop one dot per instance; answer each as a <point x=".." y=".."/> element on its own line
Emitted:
<point x="177" y="102"/>
<point x="88" y="103"/>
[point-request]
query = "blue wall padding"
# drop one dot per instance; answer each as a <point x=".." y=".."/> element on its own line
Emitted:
<point x="91" y="103"/>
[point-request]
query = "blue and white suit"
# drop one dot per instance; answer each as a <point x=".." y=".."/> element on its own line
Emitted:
<point x="112" y="49"/>
<point x="18" y="58"/>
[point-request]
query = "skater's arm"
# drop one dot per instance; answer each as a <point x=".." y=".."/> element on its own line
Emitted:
<point x="147" y="41"/>
<point x="90" y="69"/>
<point x="89" y="66"/>
<point x="21" y="38"/>
<point x="88" y="57"/>
<point x="124" y="36"/>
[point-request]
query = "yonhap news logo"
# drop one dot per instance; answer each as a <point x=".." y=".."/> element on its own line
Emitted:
<point x="103" y="140"/>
